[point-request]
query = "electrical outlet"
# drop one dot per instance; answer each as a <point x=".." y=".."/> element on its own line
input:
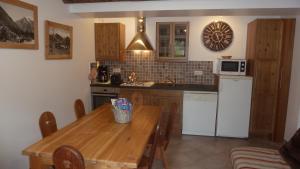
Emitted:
<point x="198" y="73"/>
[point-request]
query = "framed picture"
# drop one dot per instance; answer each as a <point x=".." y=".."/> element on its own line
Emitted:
<point x="18" y="25"/>
<point x="59" y="41"/>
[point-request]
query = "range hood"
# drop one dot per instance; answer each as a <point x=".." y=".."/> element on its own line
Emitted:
<point x="140" y="40"/>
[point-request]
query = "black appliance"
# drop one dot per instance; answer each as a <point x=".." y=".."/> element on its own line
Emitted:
<point x="116" y="79"/>
<point x="103" y="74"/>
<point x="102" y="95"/>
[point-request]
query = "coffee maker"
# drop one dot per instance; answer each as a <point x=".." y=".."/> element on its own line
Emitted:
<point x="103" y="74"/>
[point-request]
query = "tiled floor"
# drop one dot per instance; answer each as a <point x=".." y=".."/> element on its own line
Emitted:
<point x="196" y="152"/>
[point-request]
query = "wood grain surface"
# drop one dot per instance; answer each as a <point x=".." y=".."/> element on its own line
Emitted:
<point x="109" y="41"/>
<point x="162" y="98"/>
<point x="47" y="124"/>
<point x="269" y="56"/>
<point x="102" y="142"/>
<point x="67" y="157"/>
<point x="79" y="108"/>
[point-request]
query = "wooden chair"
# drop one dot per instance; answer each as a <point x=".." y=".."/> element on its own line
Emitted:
<point x="79" y="108"/>
<point x="137" y="98"/>
<point x="67" y="157"/>
<point x="165" y="137"/>
<point x="47" y="124"/>
<point x="147" y="160"/>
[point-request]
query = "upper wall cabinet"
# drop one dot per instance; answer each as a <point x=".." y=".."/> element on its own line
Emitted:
<point x="109" y="41"/>
<point x="172" y="39"/>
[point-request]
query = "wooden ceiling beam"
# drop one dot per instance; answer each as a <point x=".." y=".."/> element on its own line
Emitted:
<point x="93" y="1"/>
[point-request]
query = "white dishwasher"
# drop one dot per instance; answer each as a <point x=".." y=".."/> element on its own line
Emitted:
<point x="199" y="113"/>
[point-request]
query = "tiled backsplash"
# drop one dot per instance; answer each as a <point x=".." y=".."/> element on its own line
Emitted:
<point x="148" y="69"/>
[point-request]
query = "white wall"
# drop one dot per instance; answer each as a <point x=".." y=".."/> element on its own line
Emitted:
<point x="293" y="113"/>
<point x="30" y="84"/>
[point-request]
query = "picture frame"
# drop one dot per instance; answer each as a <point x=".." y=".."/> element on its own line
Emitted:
<point x="58" y="41"/>
<point x="18" y="25"/>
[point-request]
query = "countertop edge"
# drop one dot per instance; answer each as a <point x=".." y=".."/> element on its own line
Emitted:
<point x="158" y="86"/>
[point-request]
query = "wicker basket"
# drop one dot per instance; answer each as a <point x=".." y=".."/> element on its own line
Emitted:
<point x="122" y="116"/>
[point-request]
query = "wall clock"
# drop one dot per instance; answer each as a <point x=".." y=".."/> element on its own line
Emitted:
<point x="217" y="36"/>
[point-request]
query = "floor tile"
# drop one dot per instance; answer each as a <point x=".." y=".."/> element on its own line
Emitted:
<point x="199" y="152"/>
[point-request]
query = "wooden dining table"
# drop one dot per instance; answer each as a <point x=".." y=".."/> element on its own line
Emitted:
<point x="104" y="143"/>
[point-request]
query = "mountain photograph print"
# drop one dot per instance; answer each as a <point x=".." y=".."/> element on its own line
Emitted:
<point x="59" y="39"/>
<point x="18" y="25"/>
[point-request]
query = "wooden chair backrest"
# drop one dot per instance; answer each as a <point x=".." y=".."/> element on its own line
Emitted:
<point x="137" y="98"/>
<point x="79" y="108"/>
<point x="47" y="124"/>
<point x="154" y="146"/>
<point x="170" y="121"/>
<point x="67" y="157"/>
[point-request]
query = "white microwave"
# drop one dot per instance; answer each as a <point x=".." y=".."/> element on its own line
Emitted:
<point x="232" y="66"/>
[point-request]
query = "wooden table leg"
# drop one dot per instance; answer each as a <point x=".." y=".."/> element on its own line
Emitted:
<point x="36" y="163"/>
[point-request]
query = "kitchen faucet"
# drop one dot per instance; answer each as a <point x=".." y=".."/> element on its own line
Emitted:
<point x="169" y="80"/>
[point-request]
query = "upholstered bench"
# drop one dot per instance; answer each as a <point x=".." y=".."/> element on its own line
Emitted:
<point x="287" y="157"/>
<point x="257" y="158"/>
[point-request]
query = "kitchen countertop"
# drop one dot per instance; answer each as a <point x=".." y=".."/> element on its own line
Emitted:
<point x="163" y="86"/>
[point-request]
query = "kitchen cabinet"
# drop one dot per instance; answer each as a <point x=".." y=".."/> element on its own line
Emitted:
<point x="109" y="41"/>
<point x="163" y="98"/>
<point x="269" y="54"/>
<point x="199" y="113"/>
<point x="172" y="41"/>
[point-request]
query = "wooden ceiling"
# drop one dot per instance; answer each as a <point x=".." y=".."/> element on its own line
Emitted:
<point x="90" y="1"/>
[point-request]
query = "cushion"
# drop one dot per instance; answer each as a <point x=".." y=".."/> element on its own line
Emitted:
<point x="290" y="151"/>
<point x="257" y="158"/>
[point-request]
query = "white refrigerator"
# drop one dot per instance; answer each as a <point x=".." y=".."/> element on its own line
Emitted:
<point x="234" y="102"/>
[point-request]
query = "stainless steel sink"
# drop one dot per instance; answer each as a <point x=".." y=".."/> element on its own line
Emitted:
<point x="139" y="84"/>
<point x="168" y="84"/>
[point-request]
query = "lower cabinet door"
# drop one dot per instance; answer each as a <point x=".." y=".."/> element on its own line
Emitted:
<point x="199" y="113"/>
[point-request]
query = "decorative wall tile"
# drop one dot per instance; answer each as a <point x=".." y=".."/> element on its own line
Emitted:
<point x="148" y="69"/>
